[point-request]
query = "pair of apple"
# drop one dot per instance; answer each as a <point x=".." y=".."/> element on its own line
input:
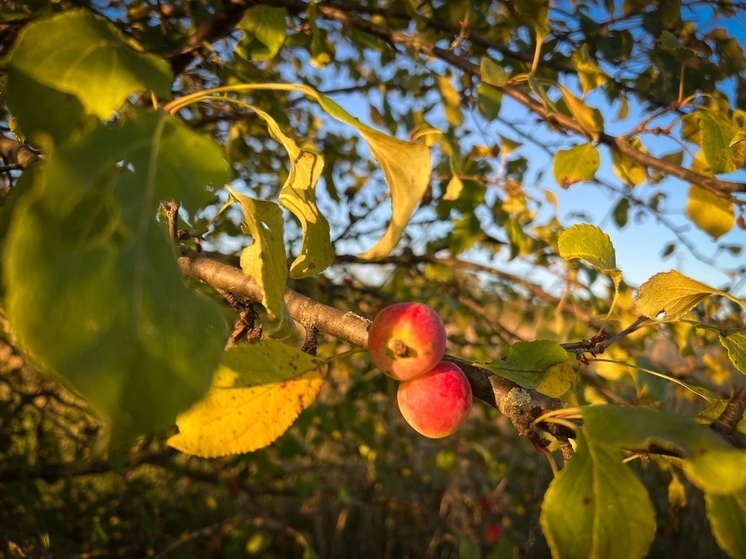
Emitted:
<point x="407" y="341"/>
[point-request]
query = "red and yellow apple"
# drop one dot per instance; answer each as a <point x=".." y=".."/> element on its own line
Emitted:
<point x="437" y="403"/>
<point x="406" y="340"/>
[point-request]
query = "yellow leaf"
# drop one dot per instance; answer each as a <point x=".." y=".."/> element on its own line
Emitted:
<point x="257" y="393"/>
<point x="711" y="213"/>
<point x="589" y="118"/>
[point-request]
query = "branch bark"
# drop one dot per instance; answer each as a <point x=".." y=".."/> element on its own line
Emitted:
<point x="17" y="152"/>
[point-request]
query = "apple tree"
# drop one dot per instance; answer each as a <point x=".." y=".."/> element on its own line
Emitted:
<point x="203" y="206"/>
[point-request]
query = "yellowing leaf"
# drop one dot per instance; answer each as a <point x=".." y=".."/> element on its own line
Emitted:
<point x="257" y="393"/>
<point x="558" y="379"/>
<point x="711" y="213"/>
<point x="264" y="260"/>
<point x="298" y="195"/>
<point x="717" y="134"/>
<point x="628" y="171"/>
<point x="589" y="118"/>
<point x="529" y="363"/>
<point x="406" y="166"/>
<point x="576" y="164"/>
<point x="590" y="75"/>
<point x="590" y="244"/>
<point x="674" y="294"/>
<point x="451" y="101"/>
<point x="735" y="345"/>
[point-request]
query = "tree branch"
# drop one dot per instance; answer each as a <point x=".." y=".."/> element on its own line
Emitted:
<point x="17" y="152"/>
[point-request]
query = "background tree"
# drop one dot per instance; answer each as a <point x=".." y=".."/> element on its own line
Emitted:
<point x="231" y="190"/>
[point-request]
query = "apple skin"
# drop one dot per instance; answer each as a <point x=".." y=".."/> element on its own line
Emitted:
<point x="406" y="340"/>
<point x="437" y="403"/>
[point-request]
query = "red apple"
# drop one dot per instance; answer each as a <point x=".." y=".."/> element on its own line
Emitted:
<point x="406" y="340"/>
<point x="437" y="403"/>
<point x="492" y="533"/>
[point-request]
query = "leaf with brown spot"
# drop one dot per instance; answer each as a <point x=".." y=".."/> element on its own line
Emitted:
<point x="256" y="395"/>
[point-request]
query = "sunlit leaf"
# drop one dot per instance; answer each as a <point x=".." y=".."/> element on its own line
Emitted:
<point x="298" y="195"/>
<point x="576" y="164"/>
<point x="735" y="344"/>
<point x="674" y="294"/>
<point x="727" y="516"/>
<point x="451" y="101"/>
<point x="257" y="393"/>
<point x="593" y="500"/>
<point x="628" y="171"/>
<point x="86" y="261"/>
<point x="709" y="462"/>
<point x="558" y="379"/>
<point x="87" y="70"/>
<point x="712" y="213"/>
<point x="590" y="75"/>
<point x="265" y="29"/>
<point x="589" y="118"/>
<point x="589" y="243"/>
<point x="406" y="166"/>
<point x="526" y="363"/>
<point x="717" y="134"/>
<point x="264" y="259"/>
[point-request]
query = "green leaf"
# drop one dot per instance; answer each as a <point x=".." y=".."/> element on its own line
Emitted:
<point x="264" y="259"/>
<point x="594" y="500"/>
<point x="86" y="261"/>
<point x="489" y="101"/>
<point x="621" y="212"/>
<point x="709" y="462"/>
<point x="265" y="29"/>
<point x="712" y="213"/>
<point x="628" y="171"/>
<point x="727" y="516"/>
<point x="716" y="135"/>
<point x="588" y="243"/>
<point x="72" y="65"/>
<point x="589" y="118"/>
<point x="735" y="345"/>
<point x="674" y="294"/>
<point x="298" y="195"/>
<point x="257" y="393"/>
<point x="576" y="164"/>
<point x="491" y="73"/>
<point x="527" y="362"/>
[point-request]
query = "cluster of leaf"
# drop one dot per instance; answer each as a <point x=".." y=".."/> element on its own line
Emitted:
<point x="93" y="293"/>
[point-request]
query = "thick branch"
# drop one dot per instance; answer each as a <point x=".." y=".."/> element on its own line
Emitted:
<point x="351" y="328"/>
<point x="17" y="152"/>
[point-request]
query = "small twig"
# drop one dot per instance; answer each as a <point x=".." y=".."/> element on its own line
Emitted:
<point x="311" y="343"/>
<point x="727" y="422"/>
<point x="598" y="343"/>
<point x="172" y="213"/>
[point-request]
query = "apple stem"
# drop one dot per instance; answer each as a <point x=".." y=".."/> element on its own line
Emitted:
<point x="400" y="348"/>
